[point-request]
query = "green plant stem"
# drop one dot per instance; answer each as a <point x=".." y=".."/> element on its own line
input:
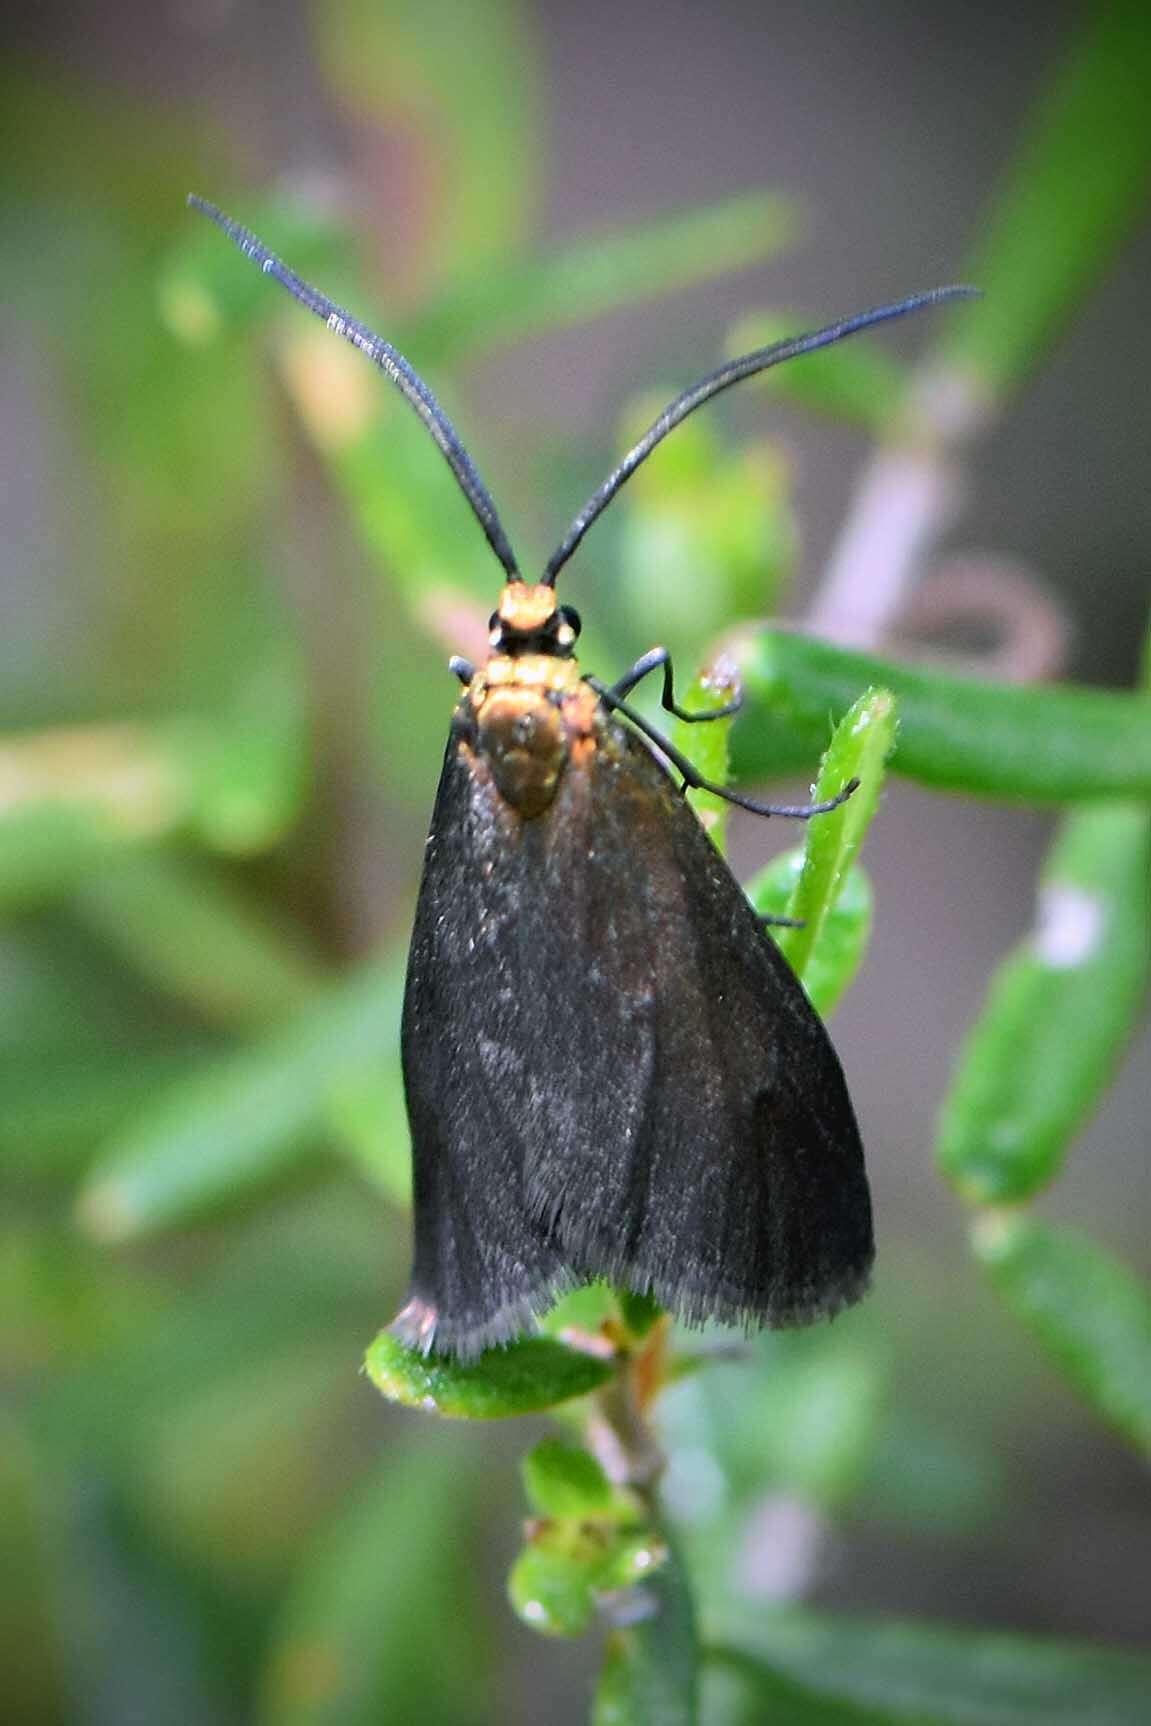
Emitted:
<point x="621" y="1438"/>
<point x="651" y="1664"/>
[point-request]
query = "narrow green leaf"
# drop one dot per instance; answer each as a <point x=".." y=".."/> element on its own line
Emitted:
<point x="245" y="1117"/>
<point x="1078" y="188"/>
<point x="1090" y="1313"/>
<point x="304" y="1280"/>
<point x="384" y="1620"/>
<point x="462" y="83"/>
<point x="1041" y="743"/>
<point x="76" y="798"/>
<point x="858" y="381"/>
<point x="565" y="1480"/>
<point x="846" y="928"/>
<point x="859" y="749"/>
<point x="529" y="1375"/>
<point x="416" y="524"/>
<point x="1059" y="1012"/>
<point x="740" y="1690"/>
<point x="367" y="1117"/>
<point x="599" y="274"/>
<point x="57" y="1107"/>
<point x="706" y="744"/>
<point x="249" y="760"/>
<point x="190" y="932"/>
<point x="915" y="1673"/>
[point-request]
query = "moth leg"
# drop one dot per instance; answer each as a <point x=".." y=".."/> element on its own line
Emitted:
<point x="695" y="780"/>
<point x="769" y="919"/>
<point x="649" y="662"/>
<point x="461" y="668"/>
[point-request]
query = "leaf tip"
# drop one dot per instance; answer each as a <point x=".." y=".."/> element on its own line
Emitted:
<point x="994" y="1233"/>
<point x="104" y="1211"/>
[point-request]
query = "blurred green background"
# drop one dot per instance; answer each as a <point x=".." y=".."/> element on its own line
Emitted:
<point x="232" y="568"/>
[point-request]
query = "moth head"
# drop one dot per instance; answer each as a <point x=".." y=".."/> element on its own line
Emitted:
<point x="531" y="620"/>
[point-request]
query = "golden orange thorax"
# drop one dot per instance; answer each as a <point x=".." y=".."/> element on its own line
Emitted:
<point x="529" y="702"/>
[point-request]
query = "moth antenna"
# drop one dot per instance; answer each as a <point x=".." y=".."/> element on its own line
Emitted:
<point x="733" y="373"/>
<point x="381" y="353"/>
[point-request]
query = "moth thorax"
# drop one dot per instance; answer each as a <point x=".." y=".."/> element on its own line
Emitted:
<point x="522" y="739"/>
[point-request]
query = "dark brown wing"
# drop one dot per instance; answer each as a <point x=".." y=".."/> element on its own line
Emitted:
<point x="515" y="1037"/>
<point x="481" y="1266"/>
<point x="738" y="1192"/>
<point x="611" y="1069"/>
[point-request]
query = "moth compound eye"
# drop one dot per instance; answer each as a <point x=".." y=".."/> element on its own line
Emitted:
<point x="494" y="623"/>
<point x="570" y="618"/>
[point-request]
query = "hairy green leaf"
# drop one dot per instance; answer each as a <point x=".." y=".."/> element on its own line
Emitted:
<point x="845" y="928"/>
<point x="533" y="1373"/>
<point x="1059" y="1013"/>
<point x="1042" y="744"/>
<point x="859" y="748"/>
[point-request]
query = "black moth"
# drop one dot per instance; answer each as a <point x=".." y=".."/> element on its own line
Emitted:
<point x="610" y="1069"/>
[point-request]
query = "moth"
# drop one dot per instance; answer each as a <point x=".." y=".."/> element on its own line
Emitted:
<point x="610" y="1069"/>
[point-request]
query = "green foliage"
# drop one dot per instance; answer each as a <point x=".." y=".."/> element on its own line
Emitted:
<point x="377" y="1625"/>
<point x="203" y="1150"/>
<point x="709" y="535"/>
<point x="589" y="1542"/>
<point x="707" y="745"/>
<point x="929" y="1676"/>
<point x="1059" y="1012"/>
<point x="860" y="746"/>
<point x="565" y="1480"/>
<point x="194" y="937"/>
<point x="569" y="1566"/>
<point x="1091" y="1314"/>
<point x="529" y="1375"/>
<point x="1076" y="190"/>
<point x="650" y="1668"/>
<point x="250" y="1115"/>
<point x="464" y="84"/>
<point x="844" y="931"/>
<point x="1037" y="744"/>
<point x="598" y="276"/>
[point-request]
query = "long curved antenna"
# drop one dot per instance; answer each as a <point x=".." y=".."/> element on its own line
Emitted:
<point x="382" y="354"/>
<point x="732" y="373"/>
